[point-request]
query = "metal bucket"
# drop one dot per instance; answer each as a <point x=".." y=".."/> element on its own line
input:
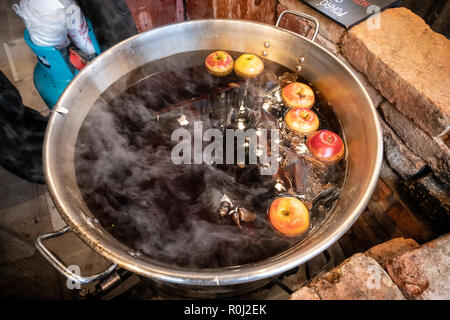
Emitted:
<point x="340" y="86"/>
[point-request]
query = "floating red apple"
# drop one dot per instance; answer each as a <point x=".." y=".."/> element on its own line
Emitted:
<point x="326" y="145"/>
<point x="289" y="216"/>
<point x="219" y="63"/>
<point x="298" y="95"/>
<point x="301" y="120"/>
<point x="248" y="66"/>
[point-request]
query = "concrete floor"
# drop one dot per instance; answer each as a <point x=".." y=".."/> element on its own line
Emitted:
<point x="23" y="206"/>
<point x="26" y="210"/>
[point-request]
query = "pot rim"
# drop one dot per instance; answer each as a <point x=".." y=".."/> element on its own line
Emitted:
<point x="220" y="276"/>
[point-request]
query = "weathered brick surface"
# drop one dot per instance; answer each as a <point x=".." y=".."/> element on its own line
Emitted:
<point x="411" y="226"/>
<point x="262" y="10"/>
<point x="293" y="23"/>
<point x="328" y="28"/>
<point x="386" y="251"/>
<point x="357" y="278"/>
<point x="435" y="154"/>
<point x="304" y="293"/>
<point x="423" y="273"/>
<point x="152" y="13"/>
<point x="398" y="156"/>
<point x="408" y="63"/>
<point x="381" y="192"/>
<point x="304" y="28"/>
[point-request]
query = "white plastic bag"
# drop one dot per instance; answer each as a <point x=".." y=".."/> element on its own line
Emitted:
<point x="50" y="21"/>
<point x="45" y="21"/>
<point x="78" y="27"/>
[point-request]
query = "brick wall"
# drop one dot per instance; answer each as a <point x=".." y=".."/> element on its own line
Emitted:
<point x="149" y="14"/>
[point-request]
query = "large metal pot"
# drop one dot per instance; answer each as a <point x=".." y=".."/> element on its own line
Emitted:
<point x="325" y="71"/>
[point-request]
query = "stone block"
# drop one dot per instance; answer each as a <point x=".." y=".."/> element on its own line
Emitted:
<point x="389" y="176"/>
<point x="408" y="63"/>
<point x="386" y="251"/>
<point x="435" y="154"/>
<point x="357" y="278"/>
<point x="423" y="273"/>
<point x="398" y="156"/>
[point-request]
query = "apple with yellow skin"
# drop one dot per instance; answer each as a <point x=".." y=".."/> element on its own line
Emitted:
<point x="298" y="95"/>
<point x="248" y="66"/>
<point x="326" y="145"/>
<point x="219" y="63"/>
<point x="289" y="216"/>
<point x="301" y="120"/>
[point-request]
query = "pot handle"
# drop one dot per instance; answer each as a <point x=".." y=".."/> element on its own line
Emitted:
<point x="300" y="14"/>
<point x="60" y="266"/>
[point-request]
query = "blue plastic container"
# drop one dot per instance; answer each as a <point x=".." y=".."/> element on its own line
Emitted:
<point x="53" y="72"/>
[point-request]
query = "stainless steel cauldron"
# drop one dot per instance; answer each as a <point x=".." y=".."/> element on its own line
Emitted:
<point x="325" y="71"/>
